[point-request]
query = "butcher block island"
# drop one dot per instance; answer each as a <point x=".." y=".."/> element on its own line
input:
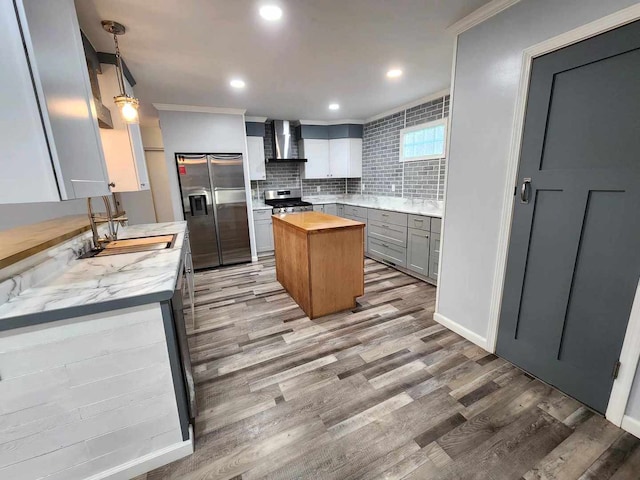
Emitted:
<point x="320" y="260"/>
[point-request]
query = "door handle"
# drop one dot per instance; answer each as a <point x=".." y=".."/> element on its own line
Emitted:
<point x="524" y="191"/>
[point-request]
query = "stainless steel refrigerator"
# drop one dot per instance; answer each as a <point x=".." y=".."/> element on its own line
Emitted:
<point x="215" y="208"/>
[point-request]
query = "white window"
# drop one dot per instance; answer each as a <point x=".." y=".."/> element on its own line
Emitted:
<point x="423" y="142"/>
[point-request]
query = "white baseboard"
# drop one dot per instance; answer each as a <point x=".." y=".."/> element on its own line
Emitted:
<point x="148" y="462"/>
<point x="631" y="425"/>
<point x="460" y="330"/>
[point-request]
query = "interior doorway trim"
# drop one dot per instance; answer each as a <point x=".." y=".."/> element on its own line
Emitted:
<point x="631" y="346"/>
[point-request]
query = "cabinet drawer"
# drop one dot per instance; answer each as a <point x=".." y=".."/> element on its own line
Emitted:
<point x="388" y="217"/>
<point x="419" y="222"/>
<point x="389" y="233"/>
<point x="355" y="211"/>
<point x="387" y="251"/>
<point x="436" y="225"/>
<point x="261" y="214"/>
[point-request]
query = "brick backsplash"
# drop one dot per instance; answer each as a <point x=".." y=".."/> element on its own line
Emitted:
<point x="287" y="174"/>
<point x="381" y="166"/>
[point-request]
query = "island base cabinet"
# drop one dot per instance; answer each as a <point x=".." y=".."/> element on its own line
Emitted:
<point x="88" y="395"/>
<point x="322" y="270"/>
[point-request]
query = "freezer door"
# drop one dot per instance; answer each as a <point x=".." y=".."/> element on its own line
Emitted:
<point x="227" y="175"/>
<point x="197" y="205"/>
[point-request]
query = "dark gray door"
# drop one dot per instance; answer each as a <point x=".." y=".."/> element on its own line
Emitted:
<point x="574" y="256"/>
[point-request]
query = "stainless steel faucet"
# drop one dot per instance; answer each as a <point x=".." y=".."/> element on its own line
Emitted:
<point x="109" y="219"/>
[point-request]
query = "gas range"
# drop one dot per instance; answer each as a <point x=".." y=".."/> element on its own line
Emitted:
<point x="286" y="201"/>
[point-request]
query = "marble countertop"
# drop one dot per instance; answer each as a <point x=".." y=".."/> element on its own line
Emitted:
<point x="417" y="206"/>
<point x="95" y="284"/>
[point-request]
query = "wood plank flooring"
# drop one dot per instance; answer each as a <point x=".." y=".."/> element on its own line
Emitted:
<point x="382" y="391"/>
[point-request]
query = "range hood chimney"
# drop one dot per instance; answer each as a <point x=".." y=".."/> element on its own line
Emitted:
<point x="282" y="142"/>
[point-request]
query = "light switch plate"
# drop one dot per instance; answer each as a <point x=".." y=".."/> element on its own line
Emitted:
<point x="318" y="188"/>
<point x="393" y="188"/>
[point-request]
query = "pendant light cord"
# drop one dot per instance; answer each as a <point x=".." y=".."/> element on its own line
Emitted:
<point x="119" y="67"/>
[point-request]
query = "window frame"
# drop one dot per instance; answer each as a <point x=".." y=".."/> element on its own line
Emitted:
<point x="422" y="126"/>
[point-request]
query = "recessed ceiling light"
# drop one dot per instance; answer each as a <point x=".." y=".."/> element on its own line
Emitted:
<point x="334" y="106"/>
<point x="237" y="83"/>
<point x="394" y="73"/>
<point x="271" y="12"/>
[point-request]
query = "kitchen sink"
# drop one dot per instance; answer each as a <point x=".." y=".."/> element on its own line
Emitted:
<point x="133" y="245"/>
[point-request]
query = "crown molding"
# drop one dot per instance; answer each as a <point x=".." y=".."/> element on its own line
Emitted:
<point x="414" y="103"/>
<point x="255" y="119"/>
<point x="330" y="122"/>
<point x="169" y="107"/>
<point x="480" y="15"/>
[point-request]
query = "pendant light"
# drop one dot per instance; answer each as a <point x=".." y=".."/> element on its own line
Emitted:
<point x="127" y="105"/>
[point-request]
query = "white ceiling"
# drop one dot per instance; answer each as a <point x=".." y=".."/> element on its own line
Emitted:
<point x="321" y="51"/>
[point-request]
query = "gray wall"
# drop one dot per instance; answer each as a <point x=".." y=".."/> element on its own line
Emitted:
<point x="381" y="166"/>
<point x="488" y="65"/>
<point x="17" y="214"/>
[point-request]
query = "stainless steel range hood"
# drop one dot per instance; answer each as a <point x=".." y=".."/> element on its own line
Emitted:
<point x="283" y="142"/>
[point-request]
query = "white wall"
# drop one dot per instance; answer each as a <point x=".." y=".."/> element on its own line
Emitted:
<point x="488" y="64"/>
<point x="17" y="214"/>
<point x="195" y="132"/>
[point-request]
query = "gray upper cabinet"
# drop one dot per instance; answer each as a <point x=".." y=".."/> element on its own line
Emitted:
<point x="418" y="251"/>
<point x="53" y="107"/>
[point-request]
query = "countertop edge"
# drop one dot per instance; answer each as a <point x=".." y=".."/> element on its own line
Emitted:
<point x="317" y="230"/>
<point x="42" y="246"/>
<point x="365" y="205"/>
<point x="11" y="323"/>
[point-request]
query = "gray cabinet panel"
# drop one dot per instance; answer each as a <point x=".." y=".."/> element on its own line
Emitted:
<point x="340" y="210"/>
<point x="355" y="211"/>
<point x="436" y="225"/>
<point x="389" y="233"/>
<point x="318" y="208"/>
<point x="419" y="222"/>
<point x="434" y="256"/>
<point x="418" y="251"/>
<point x="264" y="230"/>
<point x="388" y="217"/>
<point x="389" y="252"/>
<point x="331" y="209"/>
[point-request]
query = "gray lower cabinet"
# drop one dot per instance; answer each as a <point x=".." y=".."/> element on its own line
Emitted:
<point x="318" y="208"/>
<point x="418" y="251"/>
<point x="340" y="210"/>
<point x="331" y="209"/>
<point x="393" y="254"/>
<point x="434" y="256"/>
<point x="264" y="231"/>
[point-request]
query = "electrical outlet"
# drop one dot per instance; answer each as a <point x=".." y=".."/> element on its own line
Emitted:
<point x="363" y="187"/>
<point x="393" y="188"/>
<point x="318" y="189"/>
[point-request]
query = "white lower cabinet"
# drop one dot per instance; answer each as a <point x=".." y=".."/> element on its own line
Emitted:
<point x="263" y="226"/>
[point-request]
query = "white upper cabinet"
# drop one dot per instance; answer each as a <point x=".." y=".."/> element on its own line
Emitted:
<point x="345" y="157"/>
<point x="52" y="106"/>
<point x="335" y="158"/>
<point x="27" y="171"/>
<point x="316" y="151"/>
<point x="255" y="152"/>
<point x="122" y="145"/>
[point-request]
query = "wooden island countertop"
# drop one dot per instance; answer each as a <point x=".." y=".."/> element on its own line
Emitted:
<point x="320" y="260"/>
